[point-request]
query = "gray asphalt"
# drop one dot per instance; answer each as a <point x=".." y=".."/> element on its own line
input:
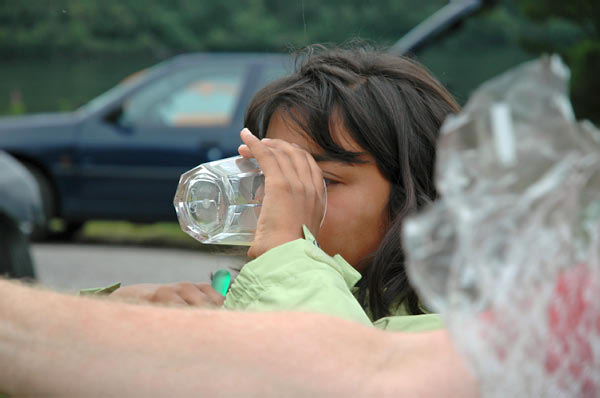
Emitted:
<point x="70" y="267"/>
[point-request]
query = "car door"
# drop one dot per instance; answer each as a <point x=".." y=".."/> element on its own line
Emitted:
<point x="129" y="160"/>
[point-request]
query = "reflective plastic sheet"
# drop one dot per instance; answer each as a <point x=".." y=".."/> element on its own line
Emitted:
<point x="509" y="253"/>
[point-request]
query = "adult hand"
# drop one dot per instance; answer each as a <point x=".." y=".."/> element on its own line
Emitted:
<point x="181" y="293"/>
<point x="294" y="192"/>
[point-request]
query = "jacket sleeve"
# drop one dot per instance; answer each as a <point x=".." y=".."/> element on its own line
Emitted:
<point x="410" y="323"/>
<point x="297" y="276"/>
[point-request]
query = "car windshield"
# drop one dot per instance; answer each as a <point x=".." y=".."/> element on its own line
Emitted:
<point x="118" y="90"/>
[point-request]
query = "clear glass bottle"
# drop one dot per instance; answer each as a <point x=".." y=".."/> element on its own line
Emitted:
<point x="219" y="202"/>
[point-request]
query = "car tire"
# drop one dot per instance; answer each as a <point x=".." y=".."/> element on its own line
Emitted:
<point x="42" y="232"/>
<point x="70" y="228"/>
<point x="16" y="261"/>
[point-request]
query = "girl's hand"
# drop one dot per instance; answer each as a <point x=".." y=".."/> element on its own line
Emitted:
<point x="181" y="293"/>
<point x="294" y="192"/>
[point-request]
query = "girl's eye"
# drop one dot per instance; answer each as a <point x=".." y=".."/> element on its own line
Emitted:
<point x="329" y="182"/>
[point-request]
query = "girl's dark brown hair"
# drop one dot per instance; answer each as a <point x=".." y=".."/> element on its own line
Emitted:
<point x="393" y="108"/>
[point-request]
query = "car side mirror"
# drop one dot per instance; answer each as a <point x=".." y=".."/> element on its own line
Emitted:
<point x="115" y="118"/>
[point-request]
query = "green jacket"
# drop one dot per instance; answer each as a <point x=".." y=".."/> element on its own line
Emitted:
<point x="299" y="276"/>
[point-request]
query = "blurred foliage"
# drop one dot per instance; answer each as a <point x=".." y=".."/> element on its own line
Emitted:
<point x="155" y="234"/>
<point x="168" y="233"/>
<point x="109" y="39"/>
<point x="576" y="24"/>
<point x="162" y="28"/>
<point x="16" y="105"/>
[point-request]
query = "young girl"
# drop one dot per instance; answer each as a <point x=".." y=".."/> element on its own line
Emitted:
<point x="366" y="122"/>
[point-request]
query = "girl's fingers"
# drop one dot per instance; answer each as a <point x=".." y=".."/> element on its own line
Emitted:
<point x="272" y="159"/>
<point x="245" y="151"/>
<point x="294" y="163"/>
<point x="317" y="177"/>
<point x="263" y="155"/>
<point x="302" y="176"/>
<point x="305" y="165"/>
<point x="293" y="191"/>
<point x="289" y="176"/>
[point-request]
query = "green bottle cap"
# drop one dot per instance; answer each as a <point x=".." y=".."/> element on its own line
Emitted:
<point x="220" y="281"/>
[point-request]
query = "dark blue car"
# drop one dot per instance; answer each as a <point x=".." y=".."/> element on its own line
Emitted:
<point x="120" y="156"/>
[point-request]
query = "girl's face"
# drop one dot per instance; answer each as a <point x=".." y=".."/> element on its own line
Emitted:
<point x="357" y="194"/>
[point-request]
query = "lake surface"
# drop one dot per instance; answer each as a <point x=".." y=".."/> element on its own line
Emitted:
<point x="45" y="85"/>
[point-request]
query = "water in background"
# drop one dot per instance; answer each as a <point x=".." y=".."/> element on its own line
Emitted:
<point x="46" y="85"/>
<point x="459" y="61"/>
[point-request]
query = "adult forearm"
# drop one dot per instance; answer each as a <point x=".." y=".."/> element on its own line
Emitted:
<point x="62" y="345"/>
<point x="56" y="344"/>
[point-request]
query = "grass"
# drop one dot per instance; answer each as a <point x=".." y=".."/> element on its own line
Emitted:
<point x="160" y="234"/>
<point x="155" y="234"/>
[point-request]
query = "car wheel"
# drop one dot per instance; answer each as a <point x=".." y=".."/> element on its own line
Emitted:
<point x="16" y="261"/>
<point x="69" y="229"/>
<point x="48" y="203"/>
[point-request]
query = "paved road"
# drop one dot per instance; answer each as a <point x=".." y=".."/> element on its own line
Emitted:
<point x="69" y="267"/>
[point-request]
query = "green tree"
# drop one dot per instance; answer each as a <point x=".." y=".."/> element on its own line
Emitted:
<point x="162" y="28"/>
<point x="577" y="23"/>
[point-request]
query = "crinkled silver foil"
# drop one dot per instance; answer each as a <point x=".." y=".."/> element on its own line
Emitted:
<point x="510" y="252"/>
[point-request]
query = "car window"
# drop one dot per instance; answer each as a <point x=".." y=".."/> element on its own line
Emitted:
<point x="195" y="96"/>
<point x="117" y="91"/>
<point x="274" y="71"/>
